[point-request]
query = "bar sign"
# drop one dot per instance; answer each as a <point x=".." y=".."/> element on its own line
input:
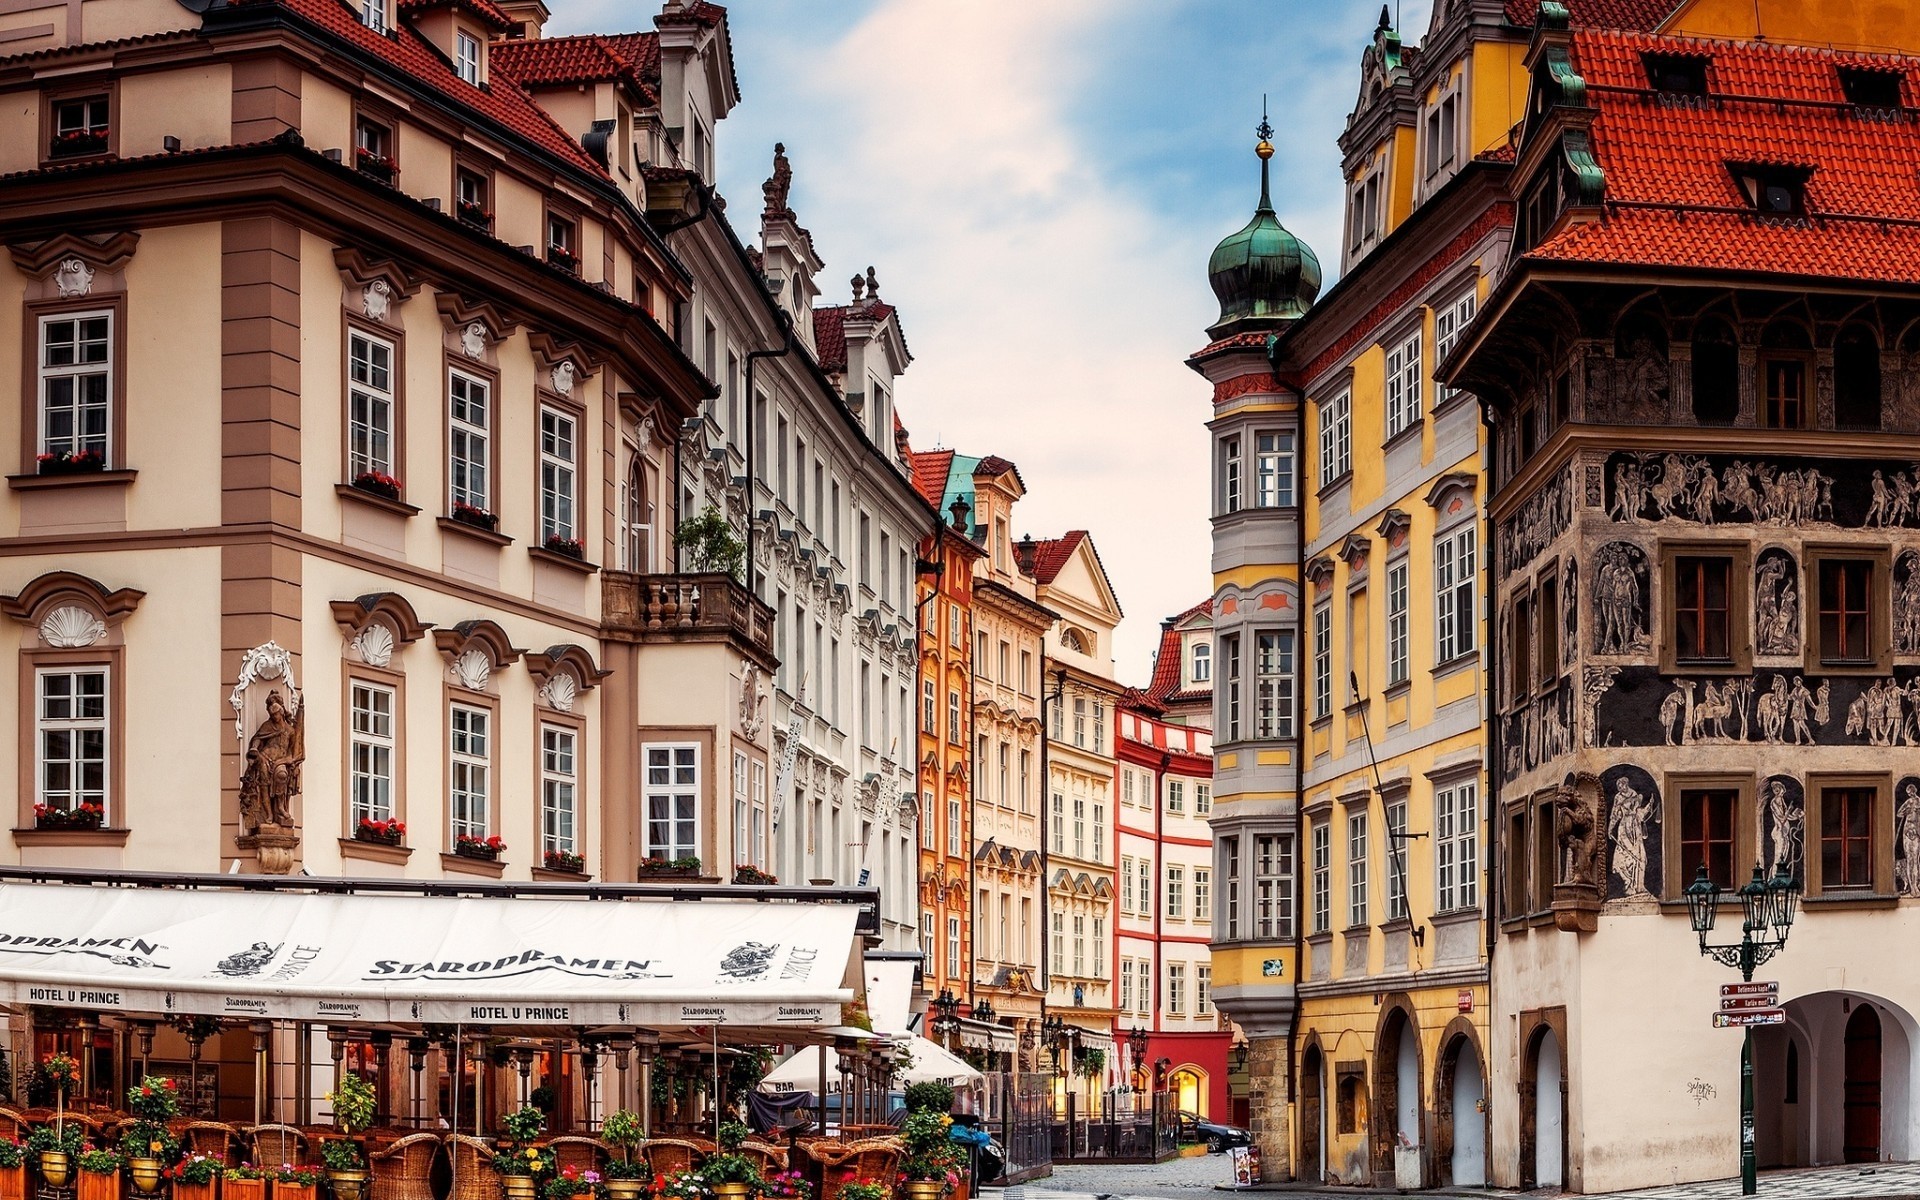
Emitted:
<point x="1765" y="987"/>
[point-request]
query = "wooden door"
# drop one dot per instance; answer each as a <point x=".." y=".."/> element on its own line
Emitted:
<point x="1310" y="1118"/>
<point x="1862" y="1094"/>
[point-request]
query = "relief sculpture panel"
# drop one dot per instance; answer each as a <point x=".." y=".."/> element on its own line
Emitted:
<point x="1776" y="604"/>
<point x="1632" y="802"/>
<point x="1713" y="489"/>
<point x="1622" y="583"/>
<point x="1636" y="706"/>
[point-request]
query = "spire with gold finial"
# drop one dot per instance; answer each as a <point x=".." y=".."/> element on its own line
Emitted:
<point x="1263" y="275"/>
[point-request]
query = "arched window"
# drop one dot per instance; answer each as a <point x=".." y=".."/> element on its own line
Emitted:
<point x="1716" y="373"/>
<point x="1202" y="662"/>
<point x="638" y="518"/>
<point x="1856" y="379"/>
<point x="1070" y="639"/>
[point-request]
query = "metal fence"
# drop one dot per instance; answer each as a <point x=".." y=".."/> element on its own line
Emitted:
<point x="1019" y="1111"/>
<point x="1115" y="1128"/>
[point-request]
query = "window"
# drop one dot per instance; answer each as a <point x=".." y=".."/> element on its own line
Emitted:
<point x="954" y="958"/>
<point x="1516" y="863"/>
<point x="1230" y="695"/>
<point x="1273" y="470"/>
<point x="1322" y="661"/>
<point x="1336" y="438"/>
<point x="1846" y="607"/>
<point x="1006" y="663"/>
<point x="1448" y="321"/>
<point x="1846" y="838"/>
<point x="468" y="411"/>
<point x="1230" y="865"/>
<point x="1454" y="578"/>
<point x="1715" y="373"/>
<point x="1677" y="74"/>
<point x="980" y="661"/>
<point x="470" y="198"/>
<point x="1079" y="826"/>
<point x="1785" y="402"/>
<point x="1230" y="498"/>
<point x="1356" y="869"/>
<point x="466" y="57"/>
<point x="1273" y="886"/>
<point x="1126" y="883"/>
<point x="71" y="739"/>
<point x="370" y="754"/>
<point x="1145" y="881"/>
<point x="81" y="125"/>
<point x="1126" y="985"/>
<point x="1099" y="832"/>
<point x="1200" y="662"/>
<point x="1547" y="614"/>
<point x="672" y="796"/>
<point x="955" y="723"/>
<point x="1079" y="721"/>
<point x="1001" y="794"/>
<point x="563" y="242"/>
<point x="1456" y="841"/>
<point x="1026" y="672"/>
<point x="1202" y="990"/>
<point x="1397" y="622"/>
<point x="369" y="406"/>
<point x="1203" y="893"/>
<point x="1099" y="726"/>
<point x="1273" y="685"/>
<point x="929" y="708"/>
<point x="1026" y="781"/>
<point x="1059" y="823"/>
<point x="1706" y="834"/>
<point x="558" y="816"/>
<point x="1176" y="989"/>
<point x="1099" y="947"/>
<point x="955" y="828"/>
<point x="1404" y="376"/>
<point x="926" y="944"/>
<point x="1202" y="799"/>
<point x="1176" y="796"/>
<point x="955" y="634"/>
<point x="76" y="385"/>
<point x="1175" y="904"/>
<point x="1520" y="661"/>
<point x="373" y="142"/>
<point x="1396" y="859"/>
<point x="557" y="476"/>
<point x="1701" y="627"/>
<point x="373" y="14"/>
<point x="1322" y="850"/>
<point x="1059" y="948"/>
<point x="469" y="775"/>
<point x="1856" y="379"/>
<point x="1774" y="191"/>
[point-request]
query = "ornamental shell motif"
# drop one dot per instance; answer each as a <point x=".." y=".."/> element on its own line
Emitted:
<point x="559" y="692"/>
<point x="374" y="645"/>
<point x="70" y="627"/>
<point x="472" y="669"/>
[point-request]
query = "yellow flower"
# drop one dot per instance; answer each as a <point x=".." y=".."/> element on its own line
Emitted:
<point x="533" y="1155"/>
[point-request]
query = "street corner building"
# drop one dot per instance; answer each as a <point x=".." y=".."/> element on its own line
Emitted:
<point x="1567" y="547"/>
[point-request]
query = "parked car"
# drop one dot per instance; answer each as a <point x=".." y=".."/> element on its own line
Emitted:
<point x="1216" y="1135"/>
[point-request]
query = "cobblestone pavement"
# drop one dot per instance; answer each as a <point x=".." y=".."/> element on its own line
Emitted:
<point x="1176" y="1177"/>
<point x="1819" y="1183"/>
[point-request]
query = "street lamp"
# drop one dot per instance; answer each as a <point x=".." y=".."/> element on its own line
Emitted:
<point x="945" y="1023"/>
<point x="1058" y="1035"/>
<point x="1768" y="907"/>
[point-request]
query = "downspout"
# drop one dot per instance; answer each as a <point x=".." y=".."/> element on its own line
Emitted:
<point x="1046" y="807"/>
<point x="1159" y="882"/>
<point x="1496" y="869"/>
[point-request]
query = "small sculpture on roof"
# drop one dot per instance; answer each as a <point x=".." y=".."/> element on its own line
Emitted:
<point x="777" y="188"/>
<point x="873" y="285"/>
<point x="859" y="288"/>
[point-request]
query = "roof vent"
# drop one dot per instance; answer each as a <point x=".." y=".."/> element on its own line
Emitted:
<point x="1774" y="190"/>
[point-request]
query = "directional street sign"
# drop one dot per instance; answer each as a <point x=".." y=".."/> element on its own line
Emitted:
<point x="1735" y="1020"/>
<point x="1764" y="987"/>
<point x="1747" y="1003"/>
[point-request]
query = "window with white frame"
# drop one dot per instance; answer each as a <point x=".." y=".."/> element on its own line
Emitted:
<point x="1404" y="372"/>
<point x="1449" y="319"/>
<point x="1203" y="893"/>
<point x="1230" y="698"/>
<point x="1144" y="878"/>
<point x="1202" y="799"/>
<point x="929" y="706"/>
<point x="1176" y="894"/>
<point x="1126" y="985"/>
<point x="1176" y="989"/>
<point x="1230" y="865"/>
<point x="1230" y="499"/>
<point x="1273" y="885"/>
<point x="761" y="817"/>
<point x="558" y="476"/>
<point x="1202" y="990"/>
<point x="927" y="833"/>
<point x="1099" y="947"/>
<point x="926" y="944"/>
<point x="76" y="385"/>
<point x="1356" y="869"/>
<point x="1079" y="826"/>
<point x="954" y="957"/>
<point x="1273" y="684"/>
<point x="671" y="796"/>
<point x="369" y="405"/>
<point x="1273" y="470"/>
<point x="1126" y="786"/>
<point x="1202" y="662"/>
<point x="1099" y="726"/>
<point x="469" y="426"/>
<point x="1456" y="844"/>
<point x="955" y="725"/>
<point x="370" y="754"/>
<point x="1454" y="580"/>
<point x="954" y="829"/>
<point x="740" y="807"/>
<point x="469" y="783"/>
<point x="1322" y="661"/>
<point x="1080" y="721"/>
<point x="1099" y="832"/>
<point x="1058" y="950"/>
<point x="1176" y="796"/>
<point x="1396" y="859"/>
<point x="1397" y="622"/>
<point x="1126" y="883"/>
<point x="1079" y="944"/>
<point x="373" y="14"/>
<point x="559" y="779"/>
<point x="466" y="57"/>
<point x="1336" y="438"/>
<point x="71" y="726"/>
<point x="1059" y="823"/>
<point x="1320" y="841"/>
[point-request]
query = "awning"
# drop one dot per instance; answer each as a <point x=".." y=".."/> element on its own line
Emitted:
<point x="983" y="1035"/>
<point x="931" y="1062"/>
<point x="411" y="959"/>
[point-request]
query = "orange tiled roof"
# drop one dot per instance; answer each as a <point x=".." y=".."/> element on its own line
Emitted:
<point x="830" y="338"/>
<point x="1672" y="199"/>
<point x="1165" y="684"/>
<point x="584" y="58"/>
<point x="1599" y="14"/>
<point x="1050" y="555"/>
<point x="486" y="10"/>
<point x="930" y="469"/>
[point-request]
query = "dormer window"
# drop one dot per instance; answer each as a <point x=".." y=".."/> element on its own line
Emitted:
<point x="1677" y="74"/>
<point x="466" y="57"/>
<point x="373" y="14"/>
<point x="1774" y="191"/>
<point x="1870" y="88"/>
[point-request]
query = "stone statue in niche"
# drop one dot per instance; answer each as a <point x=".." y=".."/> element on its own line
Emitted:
<point x="1776" y="604"/>
<point x="1786" y="817"/>
<point x="1619" y="599"/>
<point x="73" y="277"/>
<point x="1906" y="604"/>
<point x="1632" y="810"/>
<point x="271" y="777"/>
<point x="1575" y="826"/>
<point x="1570" y="608"/>
<point x="1646" y="380"/>
<point x="1906" y="838"/>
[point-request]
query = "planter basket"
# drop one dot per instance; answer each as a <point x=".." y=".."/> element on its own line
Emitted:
<point x="56" y="1168"/>
<point x="144" y="1175"/>
<point x="95" y="1186"/>
<point x="517" y="1187"/>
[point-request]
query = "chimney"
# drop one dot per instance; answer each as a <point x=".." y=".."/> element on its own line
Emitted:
<point x="529" y="17"/>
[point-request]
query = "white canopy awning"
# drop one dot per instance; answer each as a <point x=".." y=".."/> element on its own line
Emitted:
<point x="410" y="959"/>
<point x="800" y="1072"/>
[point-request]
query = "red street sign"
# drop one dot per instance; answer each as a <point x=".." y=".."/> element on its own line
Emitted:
<point x="1464" y="1000"/>
<point x="1735" y="1020"/>
<point x="1746" y="1003"/>
<point x="1766" y="987"/>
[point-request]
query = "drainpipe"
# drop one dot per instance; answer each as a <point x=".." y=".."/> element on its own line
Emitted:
<point x="1159" y="882"/>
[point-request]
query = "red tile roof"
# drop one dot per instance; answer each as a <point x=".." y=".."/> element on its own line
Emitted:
<point x="698" y="13"/>
<point x="407" y="51"/>
<point x="1167" y="660"/>
<point x="486" y="10"/>
<point x="830" y="338"/>
<point x="1050" y="555"/>
<point x="1672" y="200"/>
<point x="585" y="58"/>
<point x="1600" y="14"/>
<point x="993" y="464"/>
<point x="930" y="468"/>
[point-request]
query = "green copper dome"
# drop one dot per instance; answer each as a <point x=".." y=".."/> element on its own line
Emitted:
<point x="1263" y="275"/>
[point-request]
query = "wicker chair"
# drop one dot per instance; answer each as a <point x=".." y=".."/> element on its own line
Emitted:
<point x="13" y="1124"/>
<point x="666" y="1154"/>
<point x="580" y="1153"/>
<point x="877" y="1159"/>
<point x="211" y="1138"/>
<point x="473" y="1177"/>
<point x="277" y="1144"/>
<point x="767" y="1158"/>
<point x="404" y="1170"/>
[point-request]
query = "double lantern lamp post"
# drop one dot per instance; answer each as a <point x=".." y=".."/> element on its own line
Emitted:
<point x="1768" y="907"/>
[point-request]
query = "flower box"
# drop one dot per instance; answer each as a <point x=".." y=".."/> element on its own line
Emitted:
<point x="71" y="462"/>
<point x="283" y="1190"/>
<point x="566" y="546"/>
<point x="85" y="816"/>
<point x="487" y="849"/>
<point x="76" y="142"/>
<point x="374" y="165"/>
<point x="192" y="1191"/>
<point x="473" y="213"/>
<point x="243" y="1189"/>
<point x="748" y="873"/>
<point x="97" y="1185"/>
<point x="669" y="868"/>
<point x="378" y="483"/>
<point x="382" y="833"/>
<point x="563" y="258"/>
<point x="479" y="518"/>
<point x="563" y="860"/>
<point x="13" y="1182"/>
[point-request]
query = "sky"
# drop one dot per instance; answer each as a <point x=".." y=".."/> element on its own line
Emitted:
<point x="1038" y="187"/>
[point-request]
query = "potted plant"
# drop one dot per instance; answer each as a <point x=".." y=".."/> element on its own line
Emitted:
<point x="99" y="1173"/>
<point x="53" y="1149"/>
<point x="354" y="1105"/>
<point x="932" y="1163"/>
<point x="571" y="1182"/>
<point x="563" y="258"/>
<point x="193" y="1177"/>
<point x="244" y="1182"/>
<point x="785" y="1185"/>
<point x="1088" y="1061"/>
<point x="13" y="1169"/>
<point x="863" y="1189"/>
<point x="386" y="833"/>
<point x="521" y="1167"/>
<point x="566" y="546"/>
<point x="748" y="873"/>
<point x="70" y="462"/>
<point x="378" y="483"/>
<point x="566" y="860"/>
<point x="731" y="1174"/>
<point x="145" y="1141"/>
<point x="709" y="543"/>
<point x="626" y="1176"/>
<point x="474" y="515"/>
<point x="928" y="1096"/>
<point x="681" y="1185"/>
<point x="488" y="848"/>
<point x="80" y="816"/>
<point x="61" y="1072"/>
<point x="294" y="1183"/>
<point x="474" y="213"/>
<point x="670" y="868"/>
<point x="374" y="163"/>
<point x="79" y="141"/>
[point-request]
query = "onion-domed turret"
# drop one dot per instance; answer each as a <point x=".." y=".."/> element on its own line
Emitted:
<point x="1263" y="275"/>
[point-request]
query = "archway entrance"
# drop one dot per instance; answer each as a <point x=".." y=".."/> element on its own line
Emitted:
<point x="1313" y="1130"/>
<point x="1549" y="1166"/>
<point x="1861" y="1106"/>
<point x="1189" y="1090"/>
<point x="1462" y="1094"/>
<point x="1396" y="1092"/>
